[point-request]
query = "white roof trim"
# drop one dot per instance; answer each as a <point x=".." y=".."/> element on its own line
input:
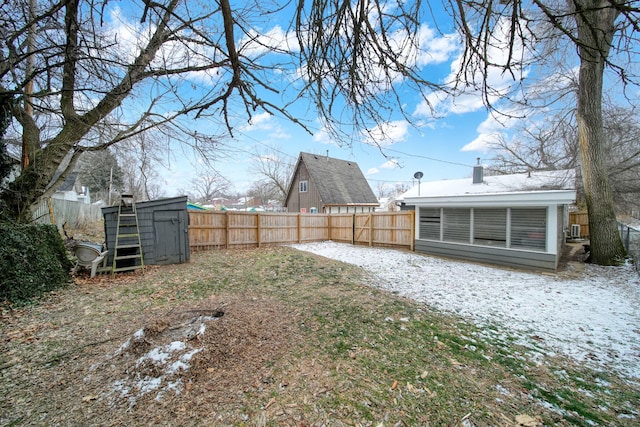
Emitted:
<point x="518" y="198"/>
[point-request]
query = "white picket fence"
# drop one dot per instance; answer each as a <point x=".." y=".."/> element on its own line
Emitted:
<point x="59" y="212"/>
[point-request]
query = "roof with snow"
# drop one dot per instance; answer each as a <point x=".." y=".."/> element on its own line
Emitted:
<point x="560" y="184"/>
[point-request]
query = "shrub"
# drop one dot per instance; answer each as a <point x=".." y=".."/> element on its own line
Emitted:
<point x="33" y="261"/>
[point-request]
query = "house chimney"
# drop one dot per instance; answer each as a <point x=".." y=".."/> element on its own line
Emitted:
<point x="327" y="155"/>
<point x="478" y="173"/>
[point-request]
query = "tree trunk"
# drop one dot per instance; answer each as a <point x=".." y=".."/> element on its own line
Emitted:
<point x="595" y="21"/>
<point x="34" y="181"/>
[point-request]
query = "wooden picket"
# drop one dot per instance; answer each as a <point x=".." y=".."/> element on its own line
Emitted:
<point x="582" y="219"/>
<point x="236" y="229"/>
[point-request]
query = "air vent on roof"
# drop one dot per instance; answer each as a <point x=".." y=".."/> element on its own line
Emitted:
<point x="478" y="173"/>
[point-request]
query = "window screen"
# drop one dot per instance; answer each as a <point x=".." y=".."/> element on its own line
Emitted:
<point x="429" y="223"/>
<point x="456" y="225"/>
<point x="490" y="227"/>
<point x="303" y="186"/>
<point x="529" y="228"/>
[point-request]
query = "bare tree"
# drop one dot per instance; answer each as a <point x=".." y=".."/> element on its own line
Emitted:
<point x="139" y="157"/>
<point x="552" y="143"/>
<point x="178" y="62"/>
<point x="510" y="35"/>
<point x="384" y="189"/>
<point x="100" y="172"/>
<point x="208" y="185"/>
<point x="276" y="172"/>
<point x="212" y="60"/>
<point x="264" y="191"/>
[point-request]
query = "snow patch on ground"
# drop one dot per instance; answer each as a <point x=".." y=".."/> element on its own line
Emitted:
<point x="592" y="316"/>
<point x="157" y="370"/>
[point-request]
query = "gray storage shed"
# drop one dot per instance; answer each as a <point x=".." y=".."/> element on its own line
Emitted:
<point x="163" y="226"/>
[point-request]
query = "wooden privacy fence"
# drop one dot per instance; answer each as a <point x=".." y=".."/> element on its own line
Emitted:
<point x="234" y="229"/>
<point x="581" y="219"/>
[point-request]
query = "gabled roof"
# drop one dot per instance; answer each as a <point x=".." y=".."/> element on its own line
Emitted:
<point x="69" y="183"/>
<point x="339" y="182"/>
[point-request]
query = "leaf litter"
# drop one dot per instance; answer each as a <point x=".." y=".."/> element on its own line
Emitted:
<point x="241" y="338"/>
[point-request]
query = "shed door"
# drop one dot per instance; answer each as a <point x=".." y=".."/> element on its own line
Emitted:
<point x="169" y="237"/>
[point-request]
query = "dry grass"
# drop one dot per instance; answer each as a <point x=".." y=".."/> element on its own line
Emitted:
<point x="280" y="338"/>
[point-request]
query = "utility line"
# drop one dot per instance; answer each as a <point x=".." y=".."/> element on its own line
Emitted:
<point x="428" y="158"/>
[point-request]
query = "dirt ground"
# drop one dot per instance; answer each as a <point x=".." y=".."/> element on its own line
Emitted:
<point x="134" y="350"/>
<point x="204" y="358"/>
<point x="228" y="339"/>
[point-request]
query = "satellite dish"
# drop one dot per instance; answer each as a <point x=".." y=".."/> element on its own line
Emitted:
<point x="418" y="175"/>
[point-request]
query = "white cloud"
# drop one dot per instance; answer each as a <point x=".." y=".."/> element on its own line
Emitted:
<point x="276" y="39"/>
<point x="492" y="130"/>
<point x="482" y="142"/>
<point x="262" y="120"/>
<point x="434" y="49"/>
<point x="387" y="134"/>
<point x="471" y="98"/>
<point x="323" y="136"/>
<point x="390" y="164"/>
<point x="267" y="124"/>
<point x="373" y="171"/>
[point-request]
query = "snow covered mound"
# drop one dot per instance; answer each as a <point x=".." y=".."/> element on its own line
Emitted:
<point x="592" y="316"/>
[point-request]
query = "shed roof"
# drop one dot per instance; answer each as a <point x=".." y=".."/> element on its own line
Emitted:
<point x="339" y="182"/>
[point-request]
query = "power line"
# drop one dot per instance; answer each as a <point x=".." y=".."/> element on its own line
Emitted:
<point x="428" y="158"/>
<point x="395" y="181"/>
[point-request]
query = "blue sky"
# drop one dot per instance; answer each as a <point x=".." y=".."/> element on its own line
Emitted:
<point x="436" y="151"/>
<point x="442" y="148"/>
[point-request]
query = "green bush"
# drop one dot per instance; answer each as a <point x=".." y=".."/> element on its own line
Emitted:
<point x="33" y="261"/>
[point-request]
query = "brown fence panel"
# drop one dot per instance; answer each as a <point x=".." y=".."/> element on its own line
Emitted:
<point x="341" y="227"/>
<point x="60" y="212"/>
<point x="242" y="229"/>
<point x="231" y="229"/>
<point x="582" y="219"/>
<point x="385" y="229"/>
<point x="394" y="229"/>
<point x="277" y="228"/>
<point x="313" y="227"/>
<point x="207" y="230"/>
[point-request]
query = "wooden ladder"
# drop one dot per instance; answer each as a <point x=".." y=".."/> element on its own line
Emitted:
<point x="127" y="253"/>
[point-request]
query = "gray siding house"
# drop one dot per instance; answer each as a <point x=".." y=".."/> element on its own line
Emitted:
<point x="163" y="225"/>
<point x="515" y="220"/>
<point x="327" y="185"/>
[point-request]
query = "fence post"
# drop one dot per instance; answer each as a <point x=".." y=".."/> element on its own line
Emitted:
<point x="51" y="214"/>
<point x="412" y="240"/>
<point x="370" y="229"/>
<point x="226" y="226"/>
<point x="299" y="227"/>
<point x="353" y="229"/>
<point x="258" y="219"/>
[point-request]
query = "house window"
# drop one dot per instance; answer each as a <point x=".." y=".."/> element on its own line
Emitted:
<point x="456" y="225"/>
<point x="529" y="228"/>
<point x="430" y="223"/>
<point x="490" y="227"/>
<point x="303" y="186"/>
<point x="518" y="228"/>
